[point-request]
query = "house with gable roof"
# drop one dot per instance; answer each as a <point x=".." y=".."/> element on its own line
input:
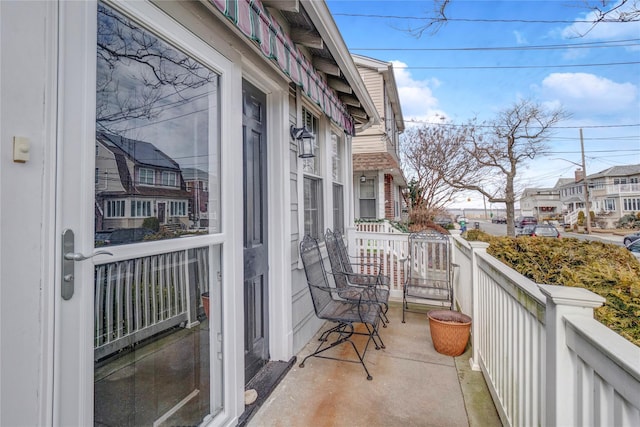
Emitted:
<point x="135" y="180"/>
<point x="377" y="176"/>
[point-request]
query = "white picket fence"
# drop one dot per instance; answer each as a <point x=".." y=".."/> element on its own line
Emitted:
<point x="544" y="357"/>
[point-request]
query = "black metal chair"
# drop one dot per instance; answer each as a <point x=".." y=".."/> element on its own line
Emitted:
<point x="353" y="285"/>
<point x="429" y="275"/>
<point x="329" y="305"/>
<point x="376" y="276"/>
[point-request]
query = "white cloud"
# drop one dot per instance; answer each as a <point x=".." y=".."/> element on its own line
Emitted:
<point x="416" y="96"/>
<point x="520" y="38"/>
<point x="588" y="93"/>
<point x="603" y="30"/>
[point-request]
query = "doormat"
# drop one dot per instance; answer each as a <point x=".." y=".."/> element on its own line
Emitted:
<point x="264" y="382"/>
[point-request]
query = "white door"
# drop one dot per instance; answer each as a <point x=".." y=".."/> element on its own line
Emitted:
<point x="139" y="121"/>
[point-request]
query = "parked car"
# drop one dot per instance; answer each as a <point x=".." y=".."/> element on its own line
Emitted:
<point x="443" y="221"/>
<point x="539" y="230"/>
<point x="461" y="219"/>
<point x="101" y="236"/>
<point x="122" y="236"/>
<point x="630" y="238"/>
<point x="521" y="221"/>
<point x="634" y="247"/>
<point x="499" y="220"/>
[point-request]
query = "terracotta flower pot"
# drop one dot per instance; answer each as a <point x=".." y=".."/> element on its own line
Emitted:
<point x="449" y="331"/>
<point x="205" y="303"/>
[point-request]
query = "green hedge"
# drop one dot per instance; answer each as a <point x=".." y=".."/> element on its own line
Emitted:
<point x="606" y="269"/>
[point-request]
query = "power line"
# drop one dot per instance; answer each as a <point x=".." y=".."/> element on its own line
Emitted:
<point x="586" y="45"/>
<point x="525" y="21"/>
<point x="425" y="122"/>
<point x="511" y="67"/>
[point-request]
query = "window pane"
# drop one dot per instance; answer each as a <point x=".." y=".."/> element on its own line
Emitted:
<point x="336" y="159"/>
<point x="313" y="208"/>
<point x="338" y="208"/>
<point x="157" y="133"/>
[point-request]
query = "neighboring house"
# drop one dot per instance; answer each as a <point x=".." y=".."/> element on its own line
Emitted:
<point x="614" y="192"/>
<point x="211" y="85"/>
<point x="377" y="176"/>
<point x="540" y="202"/>
<point x="197" y="184"/>
<point x="135" y="180"/>
<point x="571" y="196"/>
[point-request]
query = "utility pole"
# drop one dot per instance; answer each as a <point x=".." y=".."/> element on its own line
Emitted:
<point x="586" y="186"/>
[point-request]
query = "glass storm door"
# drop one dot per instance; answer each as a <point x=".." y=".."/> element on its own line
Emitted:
<point x="139" y="121"/>
<point x="256" y="264"/>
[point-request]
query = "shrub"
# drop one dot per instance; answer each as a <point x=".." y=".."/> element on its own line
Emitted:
<point x="152" y="223"/>
<point x="606" y="269"/>
<point x="581" y="218"/>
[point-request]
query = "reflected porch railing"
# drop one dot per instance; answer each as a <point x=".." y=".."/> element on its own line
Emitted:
<point x="138" y="298"/>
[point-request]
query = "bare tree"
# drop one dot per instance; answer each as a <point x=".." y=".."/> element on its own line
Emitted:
<point x="426" y="154"/>
<point x="445" y="160"/>
<point x="603" y="11"/>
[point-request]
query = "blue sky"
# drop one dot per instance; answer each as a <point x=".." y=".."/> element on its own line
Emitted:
<point x="439" y="81"/>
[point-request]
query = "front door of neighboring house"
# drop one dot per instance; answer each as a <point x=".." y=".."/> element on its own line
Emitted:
<point x="132" y="326"/>
<point x="161" y="211"/>
<point x="256" y="266"/>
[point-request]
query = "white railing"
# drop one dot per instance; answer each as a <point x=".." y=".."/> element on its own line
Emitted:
<point x="386" y="252"/>
<point x="572" y="217"/>
<point x="138" y="298"/>
<point x="376" y="227"/>
<point x="545" y="359"/>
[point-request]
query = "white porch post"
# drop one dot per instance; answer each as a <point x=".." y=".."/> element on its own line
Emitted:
<point x="560" y="369"/>
<point x="476" y="247"/>
<point x="351" y="240"/>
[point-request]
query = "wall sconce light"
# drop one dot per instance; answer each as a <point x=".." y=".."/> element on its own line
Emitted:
<point x="305" y="141"/>
<point x="363" y="178"/>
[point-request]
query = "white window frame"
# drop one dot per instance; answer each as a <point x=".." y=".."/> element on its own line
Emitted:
<point x="146" y="180"/>
<point x="313" y="173"/>
<point x="166" y="179"/>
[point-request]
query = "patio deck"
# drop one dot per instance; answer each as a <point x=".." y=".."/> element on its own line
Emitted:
<point x="412" y="385"/>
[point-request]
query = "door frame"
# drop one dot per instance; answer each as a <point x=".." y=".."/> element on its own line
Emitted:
<point x="280" y="165"/>
<point x="72" y="377"/>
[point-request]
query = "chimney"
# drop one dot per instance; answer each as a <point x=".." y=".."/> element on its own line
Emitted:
<point x="579" y="175"/>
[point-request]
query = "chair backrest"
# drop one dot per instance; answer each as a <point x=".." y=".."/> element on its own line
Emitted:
<point x="332" y="243"/>
<point x="429" y="254"/>
<point x="344" y="255"/>
<point x="316" y="274"/>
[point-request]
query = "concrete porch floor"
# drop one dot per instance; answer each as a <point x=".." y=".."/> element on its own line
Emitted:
<point x="412" y="385"/>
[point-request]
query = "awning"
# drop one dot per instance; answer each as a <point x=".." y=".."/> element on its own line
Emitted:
<point x="252" y="19"/>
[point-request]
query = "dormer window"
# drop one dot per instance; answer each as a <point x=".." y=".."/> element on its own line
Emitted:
<point x="169" y="179"/>
<point x="146" y="176"/>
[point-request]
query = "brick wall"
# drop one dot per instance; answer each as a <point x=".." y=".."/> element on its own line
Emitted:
<point x="389" y="211"/>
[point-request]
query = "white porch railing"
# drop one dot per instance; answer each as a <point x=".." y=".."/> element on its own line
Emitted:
<point x="572" y="217"/>
<point x="138" y="298"/>
<point x="545" y="359"/>
<point x="376" y="227"/>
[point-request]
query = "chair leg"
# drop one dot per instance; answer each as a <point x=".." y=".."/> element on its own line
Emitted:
<point x="344" y="337"/>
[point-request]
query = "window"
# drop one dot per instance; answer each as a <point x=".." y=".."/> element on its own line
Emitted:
<point x="610" y="205"/>
<point x="312" y="185"/>
<point x="177" y="208"/>
<point x="146" y="176"/>
<point x="368" y="198"/>
<point x="313" y="207"/>
<point x="338" y="190"/>
<point x="312" y="165"/>
<point x="632" y="205"/>
<point x="141" y="208"/>
<point x="338" y="208"/>
<point x="114" y="208"/>
<point x="169" y="179"/>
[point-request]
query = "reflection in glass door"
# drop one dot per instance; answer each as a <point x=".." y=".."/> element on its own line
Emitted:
<point x="157" y="167"/>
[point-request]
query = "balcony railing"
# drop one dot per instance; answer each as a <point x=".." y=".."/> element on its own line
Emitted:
<point x="544" y="357"/>
<point x="138" y="298"/>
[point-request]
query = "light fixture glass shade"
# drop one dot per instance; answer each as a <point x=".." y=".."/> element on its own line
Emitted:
<point x="363" y="178"/>
<point x="306" y="142"/>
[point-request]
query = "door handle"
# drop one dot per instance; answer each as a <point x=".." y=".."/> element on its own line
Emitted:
<point x="69" y="257"/>
<point x="77" y="256"/>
